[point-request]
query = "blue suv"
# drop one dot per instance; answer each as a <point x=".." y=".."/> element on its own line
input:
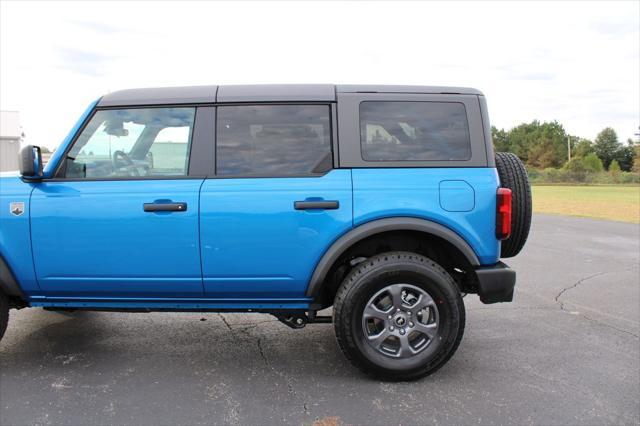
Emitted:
<point x="386" y="203"/>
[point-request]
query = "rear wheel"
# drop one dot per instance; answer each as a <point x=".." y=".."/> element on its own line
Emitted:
<point x="4" y="314"/>
<point x="398" y="316"/>
<point x="513" y="175"/>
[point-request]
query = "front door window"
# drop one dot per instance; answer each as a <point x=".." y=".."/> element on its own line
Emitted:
<point x="136" y="142"/>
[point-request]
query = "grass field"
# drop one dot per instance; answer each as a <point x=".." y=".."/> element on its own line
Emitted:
<point x="620" y="203"/>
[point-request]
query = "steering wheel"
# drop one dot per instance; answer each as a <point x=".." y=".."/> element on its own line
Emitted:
<point x="122" y="161"/>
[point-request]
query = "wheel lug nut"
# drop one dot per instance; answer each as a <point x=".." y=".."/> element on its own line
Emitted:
<point x="402" y="331"/>
<point x="391" y="328"/>
<point x="390" y="317"/>
<point x="409" y="313"/>
<point x="410" y="324"/>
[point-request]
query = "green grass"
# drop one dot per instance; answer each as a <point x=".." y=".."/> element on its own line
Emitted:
<point x="620" y="203"/>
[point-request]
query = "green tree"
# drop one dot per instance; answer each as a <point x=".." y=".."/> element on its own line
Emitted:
<point x="518" y="142"/>
<point x="581" y="147"/>
<point x="614" y="167"/>
<point x="592" y="163"/>
<point x="500" y="139"/>
<point x="576" y="164"/>
<point x="541" y="154"/>
<point x="625" y="156"/>
<point x="614" y="170"/>
<point x="540" y="145"/>
<point x="607" y="146"/>
<point x="576" y="171"/>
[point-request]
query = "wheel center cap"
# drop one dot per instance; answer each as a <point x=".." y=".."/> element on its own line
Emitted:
<point x="401" y="321"/>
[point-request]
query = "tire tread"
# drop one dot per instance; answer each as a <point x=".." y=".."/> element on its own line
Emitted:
<point x="4" y="314"/>
<point x="513" y="175"/>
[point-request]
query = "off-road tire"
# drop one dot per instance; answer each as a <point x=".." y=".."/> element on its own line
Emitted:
<point x="4" y="314"/>
<point x="513" y="175"/>
<point x="376" y="273"/>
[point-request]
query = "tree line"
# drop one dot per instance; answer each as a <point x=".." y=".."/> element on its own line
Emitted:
<point x="546" y="145"/>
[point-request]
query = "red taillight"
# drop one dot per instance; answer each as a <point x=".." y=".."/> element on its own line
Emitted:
<point x="503" y="214"/>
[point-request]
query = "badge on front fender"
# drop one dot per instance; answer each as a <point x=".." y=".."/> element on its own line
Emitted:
<point x="16" y="208"/>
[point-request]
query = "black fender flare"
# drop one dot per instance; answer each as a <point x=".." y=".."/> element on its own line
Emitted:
<point x="8" y="284"/>
<point x="376" y="227"/>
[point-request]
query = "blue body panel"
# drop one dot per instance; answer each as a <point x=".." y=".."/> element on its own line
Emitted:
<point x="93" y="238"/>
<point x="240" y="245"/>
<point x="255" y="244"/>
<point x="15" y="244"/>
<point x="379" y="193"/>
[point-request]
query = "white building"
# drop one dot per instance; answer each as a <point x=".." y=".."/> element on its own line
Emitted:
<point x="10" y="137"/>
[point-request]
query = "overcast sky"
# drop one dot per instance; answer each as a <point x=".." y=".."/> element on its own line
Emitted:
<point x="578" y="63"/>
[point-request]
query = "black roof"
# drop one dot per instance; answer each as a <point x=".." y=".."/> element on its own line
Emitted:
<point x="261" y="93"/>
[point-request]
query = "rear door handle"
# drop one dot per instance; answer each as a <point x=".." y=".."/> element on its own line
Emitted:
<point x="316" y="205"/>
<point x="165" y="207"/>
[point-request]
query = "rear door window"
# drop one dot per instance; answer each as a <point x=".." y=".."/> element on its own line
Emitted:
<point x="273" y="140"/>
<point x="414" y="131"/>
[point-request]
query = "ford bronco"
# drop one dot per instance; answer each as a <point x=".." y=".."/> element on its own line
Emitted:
<point x="386" y="203"/>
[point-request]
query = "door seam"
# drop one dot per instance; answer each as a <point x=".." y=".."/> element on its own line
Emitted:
<point x="200" y="236"/>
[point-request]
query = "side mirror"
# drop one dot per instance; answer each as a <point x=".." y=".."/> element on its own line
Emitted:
<point x="31" y="162"/>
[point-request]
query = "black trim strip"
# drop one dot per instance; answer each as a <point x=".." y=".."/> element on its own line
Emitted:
<point x="164" y="207"/>
<point x="203" y="151"/>
<point x="378" y="226"/>
<point x="316" y="205"/>
<point x="8" y="284"/>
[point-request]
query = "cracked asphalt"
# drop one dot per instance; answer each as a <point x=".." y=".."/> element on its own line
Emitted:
<point x="566" y="351"/>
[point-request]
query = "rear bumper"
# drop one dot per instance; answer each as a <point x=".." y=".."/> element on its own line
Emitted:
<point x="495" y="283"/>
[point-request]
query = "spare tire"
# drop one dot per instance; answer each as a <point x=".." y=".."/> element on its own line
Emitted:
<point x="513" y="175"/>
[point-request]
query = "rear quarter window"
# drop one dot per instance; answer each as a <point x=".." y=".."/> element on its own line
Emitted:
<point x="414" y="131"/>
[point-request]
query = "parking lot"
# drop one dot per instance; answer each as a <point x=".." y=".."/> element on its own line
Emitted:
<point x="567" y="351"/>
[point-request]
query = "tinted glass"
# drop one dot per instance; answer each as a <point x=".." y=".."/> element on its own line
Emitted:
<point x="272" y="140"/>
<point x="414" y="131"/>
<point x="133" y="143"/>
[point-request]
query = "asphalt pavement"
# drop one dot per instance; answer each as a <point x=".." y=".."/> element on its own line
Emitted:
<point x="566" y="351"/>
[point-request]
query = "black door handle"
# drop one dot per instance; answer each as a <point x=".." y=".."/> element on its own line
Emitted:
<point x="165" y="207"/>
<point x="316" y="205"/>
